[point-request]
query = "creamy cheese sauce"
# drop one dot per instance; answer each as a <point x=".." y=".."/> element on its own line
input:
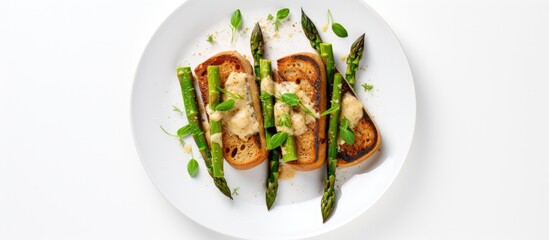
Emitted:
<point x="299" y="118"/>
<point x="351" y="108"/>
<point x="267" y="85"/>
<point x="298" y="123"/>
<point x="279" y="109"/>
<point x="214" y="115"/>
<point x="240" y="120"/>
<point x="216" y="138"/>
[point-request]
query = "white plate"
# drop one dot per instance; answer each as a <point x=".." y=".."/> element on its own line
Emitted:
<point x="181" y="40"/>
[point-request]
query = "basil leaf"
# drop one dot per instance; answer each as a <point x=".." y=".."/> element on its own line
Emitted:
<point x="347" y="135"/>
<point x="345" y="123"/>
<point x="290" y="99"/>
<point x="339" y="30"/>
<point x="225" y="105"/>
<point x="277" y="140"/>
<point x="285" y="120"/>
<point x="331" y="110"/>
<point x="185" y="130"/>
<point x="192" y="167"/>
<point x="236" y="19"/>
<point x="232" y="95"/>
<point x="282" y="13"/>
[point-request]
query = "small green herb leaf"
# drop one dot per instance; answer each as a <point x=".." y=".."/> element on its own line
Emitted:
<point x="339" y="30"/>
<point x="282" y="13"/>
<point x="367" y="87"/>
<point x="192" y="167"/>
<point x="236" y="19"/>
<point x="225" y="105"/>
<point x="277" y="140"/>
<point x="236" y="23"/>
<point x="211" y="39"/>
<point x="284" y="120"/>
<point x="232" y="95"/>
<point x="345" y="123"/>
<point x="184" y="131"/>
<point x="270" y="17"/>
<point x="235" y="191"/>
<point x="290" y="98"/>
<point x="331" y="110"/>
<point x="346" y="134"/>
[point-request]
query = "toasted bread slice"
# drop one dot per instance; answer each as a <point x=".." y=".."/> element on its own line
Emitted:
<point x="307" y="70"/>
<point x="367" y="137"/>
<point x="240" y="153"/>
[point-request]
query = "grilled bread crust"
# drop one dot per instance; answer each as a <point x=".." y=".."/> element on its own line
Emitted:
<point x="241" y="154"/>
<point x="367" y="138"/>
<point x="301" y="68"/>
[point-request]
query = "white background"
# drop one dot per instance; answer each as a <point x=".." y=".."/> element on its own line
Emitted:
<point x="478" y="166"/>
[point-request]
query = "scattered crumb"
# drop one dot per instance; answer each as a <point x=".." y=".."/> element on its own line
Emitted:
<point x="187" y="149"/>
<point x="325" y="27"/>
<point x="344" y="57"/>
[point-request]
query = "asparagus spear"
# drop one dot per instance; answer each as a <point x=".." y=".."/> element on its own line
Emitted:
<point x="353" y="59"/>
<point x="310" y="31"/>
<point x="191" y="110"/>
<point x="270" y="130"/>
<point x="256" y="44"/>
<point x="327" y="55"/>
<point x="290" y="153"/>
<point x="329" y="197"/>
<point x="272" y="180"/>
<point x="263" y="70"/>
<point x="215" y="121"/>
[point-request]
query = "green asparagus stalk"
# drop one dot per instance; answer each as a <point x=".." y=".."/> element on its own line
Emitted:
<point x="290" y="153"/>
<point x="256" y="44"/>
<point x="310" y="31"/>
<point x="191" y="110"/>
<point x="270" y="130"/>
<point x="215" y="124"/>
<point x="353" y="59"/>
<point x="263" y="70"/>
<point x="329" y="197"/>
<point x="272" y="180"/>
<point x="327" y="55"/>
<point x="267" y="100"/>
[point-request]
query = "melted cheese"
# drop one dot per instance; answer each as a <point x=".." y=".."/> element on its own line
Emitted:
<point x="214" y="115"/>
<point x="267" y="85"/>
<point x="240" y="120"/>
<point x="352" y="109"/>
<point x="279" y="109"/>
<point x="299" y="118"/>
<point x="286" y="87"/>
<point x="298" y="123"/>
<point x="216" y="138"/>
